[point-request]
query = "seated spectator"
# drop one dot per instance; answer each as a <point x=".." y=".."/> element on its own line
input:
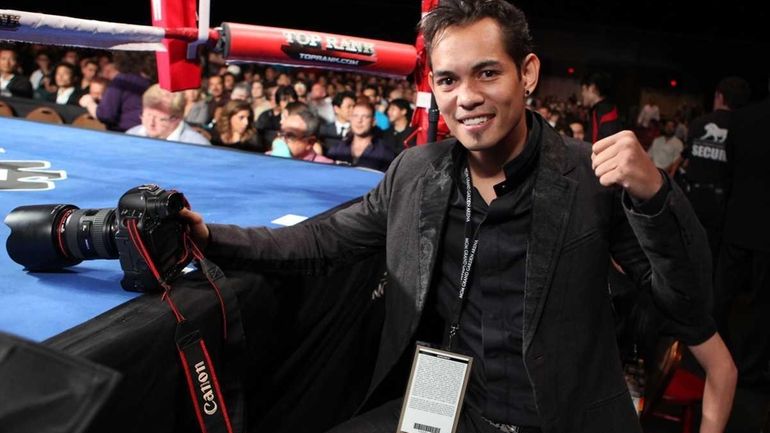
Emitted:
<point x="195" y="107"/>
<point x="121" y="104"/>
<point x="301" y="89"/>
<point x="71" y="56"/>
<point x="364" y="147"/>
<point x="260" y="101"/>
<point x="230" y="78"/>
<point x="269" y="122"/>
<point x="342" y="105"/>
<point x="162" y="118"/>
<point x="108" y="71"/>
<point x="218" y="97"/>
<point x="241" y="92"/>
<point x="11" y="82"/>
<point x="299" y="131"/>
<point x="278" y="146"/>
<point x="578" y="131"/>
<point x="400" y="114"/>
<point x="43" y="62"/>
<point x="320" y="103"/>
<point x="91" y="100"/>
<point x="235" y="128"/>
<point x="667" y="148"/>
<point x="372" y="92"/>
<point x="67" y="81"/>
<point x="89" y="69"/>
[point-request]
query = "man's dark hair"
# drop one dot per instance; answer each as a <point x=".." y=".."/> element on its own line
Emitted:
<point x="374" y="87"/>
<point x="136" y="62"/>
<point x="311" y="121"/>
<point x="512" y="22"/>
<point x="284" y="92"/>
<point x="403" y="104"/>
<point x="339" y="97"/>
<point x="74" y="72"/>
<point x="735" y="91"/>
<point x="295" y="107"/>
<point x="601" y="80"/>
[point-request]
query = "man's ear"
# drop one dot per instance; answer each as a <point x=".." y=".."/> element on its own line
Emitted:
<point x="530" y="73"/>
<point x="430" y="81"/>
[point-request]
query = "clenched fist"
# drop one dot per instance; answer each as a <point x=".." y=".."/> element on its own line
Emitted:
<point x="620" y="160"/>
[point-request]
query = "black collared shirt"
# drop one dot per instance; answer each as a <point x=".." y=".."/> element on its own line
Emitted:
<point x="492" y="316"/>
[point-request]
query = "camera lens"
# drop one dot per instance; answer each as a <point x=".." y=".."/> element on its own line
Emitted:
<point x="89" y="234"/>
<point x="49" y="237"/>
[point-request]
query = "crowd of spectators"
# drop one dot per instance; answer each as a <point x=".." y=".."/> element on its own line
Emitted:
<point x="354" y="119"/>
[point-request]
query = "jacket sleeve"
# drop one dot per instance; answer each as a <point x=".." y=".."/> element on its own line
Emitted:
<point x="311" y="248"/>
<point x="667" y="254"/>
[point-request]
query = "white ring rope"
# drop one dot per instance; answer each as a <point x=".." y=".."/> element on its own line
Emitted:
<point x="59" y="30"/>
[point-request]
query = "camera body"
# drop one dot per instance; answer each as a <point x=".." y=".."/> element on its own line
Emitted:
<point x="51" y="237"/>
<point x="156" y="213"/>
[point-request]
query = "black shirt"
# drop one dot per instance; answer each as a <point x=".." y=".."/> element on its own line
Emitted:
<point x="397" y="138"/>
<point x="492" y="317"/>
<point x="706" y="152"/>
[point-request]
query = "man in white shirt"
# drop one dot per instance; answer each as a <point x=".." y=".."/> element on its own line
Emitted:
<point x="666" y="148"/>
<point x="162" y="118"/>
<point x="649" y="112"/>
<point x="333" y="132"/>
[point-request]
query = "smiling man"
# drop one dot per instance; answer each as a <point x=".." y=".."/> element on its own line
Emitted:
<point x="504" y="234"/>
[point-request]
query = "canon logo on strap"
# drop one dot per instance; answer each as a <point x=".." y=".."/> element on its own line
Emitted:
<point x="210" y="405"/>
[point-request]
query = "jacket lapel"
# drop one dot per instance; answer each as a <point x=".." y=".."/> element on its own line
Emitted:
<point x="435" y="192"/>
<point x="552" y="199"/>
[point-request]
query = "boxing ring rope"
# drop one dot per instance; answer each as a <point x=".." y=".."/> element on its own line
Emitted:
<point x="59" y="30"/>
<point x="237" y="42"/>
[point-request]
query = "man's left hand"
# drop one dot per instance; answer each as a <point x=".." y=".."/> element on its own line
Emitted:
<point x="620" y="160"/>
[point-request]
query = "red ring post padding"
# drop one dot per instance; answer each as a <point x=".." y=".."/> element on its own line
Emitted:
<point x="175" y="71"/>
<point x="249" y="43"/>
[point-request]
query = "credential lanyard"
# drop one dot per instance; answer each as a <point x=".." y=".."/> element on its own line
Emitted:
<point x="470" y="245"/>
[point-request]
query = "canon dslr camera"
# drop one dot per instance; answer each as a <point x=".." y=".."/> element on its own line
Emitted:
<point x="51" y="237"/>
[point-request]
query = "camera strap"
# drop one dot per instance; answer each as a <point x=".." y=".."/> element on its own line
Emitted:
<point x="202" y="381"/>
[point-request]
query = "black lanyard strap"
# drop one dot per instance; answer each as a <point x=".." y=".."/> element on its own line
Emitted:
<point x="470" y="245"/>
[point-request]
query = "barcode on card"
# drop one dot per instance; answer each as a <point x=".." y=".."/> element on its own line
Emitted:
<point x="426" y="428"/>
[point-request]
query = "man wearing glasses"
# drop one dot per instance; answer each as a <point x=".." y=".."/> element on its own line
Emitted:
<point x="162" y="118"/>
<point x="299" y="131"/>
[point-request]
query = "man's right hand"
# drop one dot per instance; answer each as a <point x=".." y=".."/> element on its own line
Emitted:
<point x="198" y="230"/>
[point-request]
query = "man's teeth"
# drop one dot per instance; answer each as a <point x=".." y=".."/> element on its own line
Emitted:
<point x="475" y="121"/>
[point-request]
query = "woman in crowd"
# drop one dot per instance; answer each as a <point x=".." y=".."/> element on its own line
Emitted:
<point x="235" y="127"/>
